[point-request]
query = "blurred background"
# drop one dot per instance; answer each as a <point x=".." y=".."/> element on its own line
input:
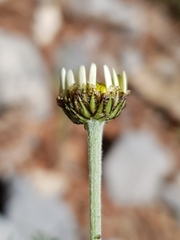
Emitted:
<point x="43" y="156"/>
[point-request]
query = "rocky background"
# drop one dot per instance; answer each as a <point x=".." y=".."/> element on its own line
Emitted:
<point x="43" y="156"/>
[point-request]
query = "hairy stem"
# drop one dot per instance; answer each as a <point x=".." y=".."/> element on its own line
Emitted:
<point x="95" y="132"/>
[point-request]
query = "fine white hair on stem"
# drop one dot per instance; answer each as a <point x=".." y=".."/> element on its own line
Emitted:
<point x="107" y="77"/>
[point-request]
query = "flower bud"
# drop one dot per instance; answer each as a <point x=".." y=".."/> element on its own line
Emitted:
<point x="83" y="100"/>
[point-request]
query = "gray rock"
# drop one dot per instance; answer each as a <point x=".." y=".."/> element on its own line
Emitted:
<point x="33" y="213"/>
<point x="171" y="195"/>
<point x="132" y="60"/>
<point x="81" y="50"/>
<point x="84" y="49"/>
<point x="7" y="230"/>
<point x="23" y="77"/>
<point x="134" y="169"/>
<point x="111" y="11"/>
<point x="47" y="22"/>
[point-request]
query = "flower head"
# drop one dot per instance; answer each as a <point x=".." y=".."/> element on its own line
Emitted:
<point x="83" y="99"/>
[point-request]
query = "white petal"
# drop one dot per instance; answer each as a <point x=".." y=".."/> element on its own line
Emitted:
<point x="82" y="76"/>
<point x="124" y="80"/>
<point x="107" y="77"/>
<point x="92" y="74"/>
<point x="62" y="80"/>
<point x="70" y="78"/>
<point x="115" y="78"/>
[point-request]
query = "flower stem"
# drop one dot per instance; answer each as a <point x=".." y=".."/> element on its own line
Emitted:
<point x="95" y="132"/>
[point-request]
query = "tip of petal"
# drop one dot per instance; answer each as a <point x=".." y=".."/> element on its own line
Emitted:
<point x="62" y="80"/>
<point x="107" y="76"/>
<point x="70" y="78"/>
<point x="82" y="76"/>
<point x="115" y="78"/>
<point x="124" y="78"/>
<point x="92" y="74"/>
<point x="123" y="82"/>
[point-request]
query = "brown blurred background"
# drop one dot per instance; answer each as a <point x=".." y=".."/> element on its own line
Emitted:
<point x="43" y="156"/>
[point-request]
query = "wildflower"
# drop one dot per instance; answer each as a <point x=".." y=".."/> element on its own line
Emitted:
<point x="92" y="104"/>
<point x="83" y="100"/>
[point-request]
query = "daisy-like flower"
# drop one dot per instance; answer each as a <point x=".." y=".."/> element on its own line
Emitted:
<point x="84" y="99"/>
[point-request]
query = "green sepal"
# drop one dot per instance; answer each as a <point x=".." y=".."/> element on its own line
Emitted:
<point x="80" y="118"/>
<point x="99" y="112"/>
<point x="121" y="108"/>
<point x="108" y="106"/>
<point x="71" y="116"/>
<point x="76" y="105"/>
<point x="84" y="96"/>
<point x="116" y="110"/>
<point x="84" y="110"/>
<point x="104" y="119"/>
<point x="67" y="107"/>
<point x="116" y="99"/>
<point x="92" y="104"/>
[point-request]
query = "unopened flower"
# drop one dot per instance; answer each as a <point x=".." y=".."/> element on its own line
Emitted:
<point x="84" y="99"/>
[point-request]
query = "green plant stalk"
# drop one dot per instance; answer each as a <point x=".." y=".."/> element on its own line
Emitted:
<point x="95" y="133"/>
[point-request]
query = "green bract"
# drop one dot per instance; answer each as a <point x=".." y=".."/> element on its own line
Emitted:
<point x="84" y="100"/>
